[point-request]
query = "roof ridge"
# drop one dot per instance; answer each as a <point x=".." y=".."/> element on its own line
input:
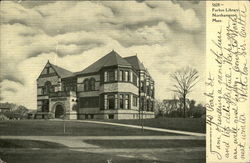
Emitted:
<point x="131" y="56"/>
<point x="110" y="59"/>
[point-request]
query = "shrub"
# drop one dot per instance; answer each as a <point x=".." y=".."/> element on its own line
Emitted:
<point x="3" y="117"/>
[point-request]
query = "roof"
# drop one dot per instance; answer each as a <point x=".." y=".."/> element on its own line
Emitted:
<point x="63" y="73"/>
<point x="135" y="62"/>
<point x="111" y="59"/>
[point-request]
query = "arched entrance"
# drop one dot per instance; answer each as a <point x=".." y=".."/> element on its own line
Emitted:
<point x="59" y="111"/>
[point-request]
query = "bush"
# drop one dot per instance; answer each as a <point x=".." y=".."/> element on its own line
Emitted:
<point x="3" y="117"/>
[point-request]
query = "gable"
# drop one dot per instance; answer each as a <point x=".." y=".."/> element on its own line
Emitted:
<point x="47" y="71"/>
<point x="53" y="70"/>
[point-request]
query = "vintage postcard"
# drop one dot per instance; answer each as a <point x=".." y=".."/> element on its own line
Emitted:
<point x="124" y="81"/>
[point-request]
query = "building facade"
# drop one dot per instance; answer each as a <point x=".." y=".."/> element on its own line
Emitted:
<point x="111" y="88"/>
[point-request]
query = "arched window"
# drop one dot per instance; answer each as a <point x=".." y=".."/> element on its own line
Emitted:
<point x="48" y="87"/>
<point x="86" y="84"/>
<point x="92" y="84"/>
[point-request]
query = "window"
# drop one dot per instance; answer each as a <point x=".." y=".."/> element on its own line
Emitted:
<point x="105" y="76"/>
<point x="116" y="101"/>
<point x="45" y="105"/>
<point x="111" y="76"/>
<point x="126" y="76"/>
<point x="148" y="105"/>
<point x="115" y="75"/>
<point x="126" y="101"/>
<point x="134" y="100"/>
<point x="120" y="75"/>
<point x="142" y="86"/>
<point x="152" y="106"/>
<point x="142" y="104"/>
<point x="131" y="76"/>
<point x="134" y="79"/>
<point x="86" y="85"/>
<point x="105" y="102"/>
<point x="121" y="102"/>
<point x="48" y="88"/>
<point x="148" y="90"/>
<point x="111" y="116"/>
<point x="92" y="84"/>
<point x="111" y="102"/>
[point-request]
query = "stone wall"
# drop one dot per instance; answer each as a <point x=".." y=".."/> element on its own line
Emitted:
<point x="88" y="94"/>
<point x="53" y="79"/>
<point x="119" y="87"/>
<point x="117" y="114"/>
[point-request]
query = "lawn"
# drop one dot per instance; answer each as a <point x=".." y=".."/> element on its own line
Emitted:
<point x="183" y="124"/>
<point x="147" y="143"/>
<point x="64" y="156"/>
<point x="18" y="143"/>
<point x="29" y="151"/>
<point x="55" y="128"/>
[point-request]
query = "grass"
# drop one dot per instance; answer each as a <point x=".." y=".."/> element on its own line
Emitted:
<point x="147" y="143"/>
<point x="29" y="151"/>
<point x="16" y="143"/>
<point x="55" y="128"/>
<point x="64" y="156"/>
<point x="183" y="124"/>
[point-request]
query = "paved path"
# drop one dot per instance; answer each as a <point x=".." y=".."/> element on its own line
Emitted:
<point x="78" y="141"/>
<point x="145" y="128"/>
<point x="69" y="141"/>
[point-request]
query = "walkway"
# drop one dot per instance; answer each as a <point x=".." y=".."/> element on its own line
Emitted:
<point x="145" y="128"/>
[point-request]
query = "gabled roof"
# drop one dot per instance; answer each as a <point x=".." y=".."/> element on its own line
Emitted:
<point x="63" y="73"/>
<point x="111" y="59"/>
<point x="135" y="62"/>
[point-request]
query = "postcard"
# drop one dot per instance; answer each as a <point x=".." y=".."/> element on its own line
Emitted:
<point x="124" y="81"/>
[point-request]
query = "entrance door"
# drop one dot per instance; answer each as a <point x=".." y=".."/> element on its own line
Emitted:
<point x="59" y="111"/>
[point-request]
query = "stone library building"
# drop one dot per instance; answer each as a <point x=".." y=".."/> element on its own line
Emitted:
<point x="113" y="87"/>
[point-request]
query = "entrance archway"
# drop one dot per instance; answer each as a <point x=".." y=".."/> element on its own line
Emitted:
<point x="59" y="111"/>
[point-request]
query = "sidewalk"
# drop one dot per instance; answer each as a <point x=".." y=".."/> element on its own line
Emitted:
<point x="145" y="128"/>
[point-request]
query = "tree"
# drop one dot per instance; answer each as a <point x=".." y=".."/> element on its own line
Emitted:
<point x="185" y="79"/>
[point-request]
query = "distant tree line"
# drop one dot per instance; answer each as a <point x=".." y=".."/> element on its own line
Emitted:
<point x="174" y="108"/>
<point x="13" y="111"/>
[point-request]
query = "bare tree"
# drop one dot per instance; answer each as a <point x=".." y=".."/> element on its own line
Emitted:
<point x="185" y="79"/>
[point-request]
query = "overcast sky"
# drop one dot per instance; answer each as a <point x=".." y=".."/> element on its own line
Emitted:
<point x="165" y="36"/>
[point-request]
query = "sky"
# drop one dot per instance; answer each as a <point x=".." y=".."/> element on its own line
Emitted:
<point x="165" y="35"/>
